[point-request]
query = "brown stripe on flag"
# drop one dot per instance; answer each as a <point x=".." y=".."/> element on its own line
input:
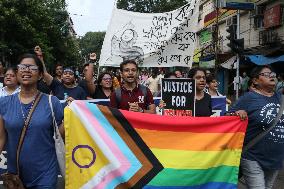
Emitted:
<point x="146" y="164"/>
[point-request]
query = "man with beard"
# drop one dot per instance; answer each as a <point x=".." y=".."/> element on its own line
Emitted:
<point x="58" y="72"/>
<point x="132" y="96"/>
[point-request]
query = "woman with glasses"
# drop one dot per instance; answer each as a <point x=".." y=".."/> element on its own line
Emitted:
<point x="38" y="167"/>
<point x="10" y="82"/>
<point x="202" y="100"/>
<point x="104" y="86"/>
<point x="261" y="162"/>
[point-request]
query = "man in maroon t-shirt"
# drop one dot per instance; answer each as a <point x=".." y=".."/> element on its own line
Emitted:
<point x="132" y="97"/>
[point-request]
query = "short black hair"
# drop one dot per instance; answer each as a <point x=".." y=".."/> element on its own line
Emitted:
<point x="257" y="70"/>
<point x="100" y="78"/>
<point x="13" y="69"/>
<point x="36" y="59"/>
<point x="85" y="65"/>
<point x="57" y="65"/>
<point x="193" y="71"/>
<point x="127" y="62"/>
<point x="169" y="74"/>
<point x="210" y="78"/>
<point x="250" y="83"/>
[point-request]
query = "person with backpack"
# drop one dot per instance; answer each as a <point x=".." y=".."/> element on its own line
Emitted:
<point x="130" y="95"/>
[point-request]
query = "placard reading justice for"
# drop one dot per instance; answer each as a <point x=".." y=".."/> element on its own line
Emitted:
<point x="179" y="96"/>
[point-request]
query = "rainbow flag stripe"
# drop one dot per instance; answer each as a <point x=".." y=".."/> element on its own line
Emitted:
<point x="110" y="148"/>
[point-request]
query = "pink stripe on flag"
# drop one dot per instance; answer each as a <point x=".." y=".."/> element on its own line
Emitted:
<point x="110" y="143"/>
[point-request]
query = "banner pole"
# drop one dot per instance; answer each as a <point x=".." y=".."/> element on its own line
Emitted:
<point x="98" y="71"/>
<point x="115" y="4"/>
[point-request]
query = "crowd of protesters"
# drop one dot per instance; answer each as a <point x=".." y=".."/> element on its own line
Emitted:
<point x="129" y="91"/>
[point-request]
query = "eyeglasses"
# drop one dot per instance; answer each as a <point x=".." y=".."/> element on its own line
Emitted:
<point x="24" y="67"/>
<point x="268" y="74"/>
<point x="107" y="79"/>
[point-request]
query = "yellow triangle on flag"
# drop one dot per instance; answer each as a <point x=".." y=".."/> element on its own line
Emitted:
<point x="84" y="159"/>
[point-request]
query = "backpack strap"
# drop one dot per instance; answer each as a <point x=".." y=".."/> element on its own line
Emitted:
<point x="118" y="93"/>
<point x="143" y="89"/>
<point x="117" y="96"/>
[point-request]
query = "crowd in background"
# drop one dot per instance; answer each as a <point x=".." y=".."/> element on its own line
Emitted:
<point x="127" y="89"/>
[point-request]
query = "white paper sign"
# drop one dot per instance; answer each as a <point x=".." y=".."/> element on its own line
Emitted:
<point x="153" y="40"/>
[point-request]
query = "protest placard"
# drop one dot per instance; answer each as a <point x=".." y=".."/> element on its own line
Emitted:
<point x="178" y="96"/>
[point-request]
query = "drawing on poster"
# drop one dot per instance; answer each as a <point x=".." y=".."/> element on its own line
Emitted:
<point x="153" y="40"/>
<point x="123" y="45"/>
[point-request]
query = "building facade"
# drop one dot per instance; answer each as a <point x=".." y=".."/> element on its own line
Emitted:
<point x="261" y="28"/>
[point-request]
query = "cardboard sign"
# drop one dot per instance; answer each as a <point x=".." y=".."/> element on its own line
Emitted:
<point x="179" y="96"/>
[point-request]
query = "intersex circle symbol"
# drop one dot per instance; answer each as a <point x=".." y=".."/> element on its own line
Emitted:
<point x="86" y="147"/>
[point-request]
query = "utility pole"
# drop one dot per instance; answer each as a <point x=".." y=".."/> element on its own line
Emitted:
<point x="216" y="40"/>
<point x="238" y="56"/>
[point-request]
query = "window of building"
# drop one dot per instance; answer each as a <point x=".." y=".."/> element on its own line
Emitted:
<point x="258" y="15"/>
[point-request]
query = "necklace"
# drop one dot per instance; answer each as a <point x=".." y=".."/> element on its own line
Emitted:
<point x="23" y="114"/>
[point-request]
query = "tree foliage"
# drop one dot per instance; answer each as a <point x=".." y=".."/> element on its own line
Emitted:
<point x="150" y="6"/>
<point x="27" y="23"/>
<point x="92" y="42"/>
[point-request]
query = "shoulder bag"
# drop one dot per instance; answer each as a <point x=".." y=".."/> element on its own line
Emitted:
<point x="13" y="181"/>
<point x="59" y="144"/>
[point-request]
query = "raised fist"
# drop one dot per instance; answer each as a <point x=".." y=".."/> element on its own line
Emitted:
<point x="93" y="56"/>
<point x="38" y="51"/>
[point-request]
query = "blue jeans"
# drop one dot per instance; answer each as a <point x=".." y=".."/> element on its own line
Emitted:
<point x="255" y="176"/>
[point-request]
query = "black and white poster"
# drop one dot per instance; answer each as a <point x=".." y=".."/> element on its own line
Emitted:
<point x="154" y="39"/>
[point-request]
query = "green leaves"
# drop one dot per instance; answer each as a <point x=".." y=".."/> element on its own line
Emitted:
<point x="92" y="42"/>
<point x="150" y="6"/>
<point x="27" y="23"/>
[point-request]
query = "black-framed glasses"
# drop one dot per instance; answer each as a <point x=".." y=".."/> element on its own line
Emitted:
<point x="29" y="67"/>
<point x="268" y="74"/>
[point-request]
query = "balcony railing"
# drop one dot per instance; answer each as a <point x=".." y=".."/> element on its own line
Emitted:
<point x="268" y="37"/>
